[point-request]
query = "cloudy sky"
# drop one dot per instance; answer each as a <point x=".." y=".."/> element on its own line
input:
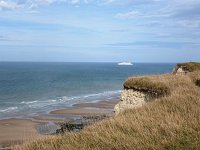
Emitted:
<point x="100" y="30"/>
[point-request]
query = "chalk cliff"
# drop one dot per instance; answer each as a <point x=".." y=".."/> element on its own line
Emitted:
<point x="130" y="99"/>
<point x="138" y="91"/>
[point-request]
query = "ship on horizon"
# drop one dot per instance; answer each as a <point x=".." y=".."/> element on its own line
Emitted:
<point x="125" y="64"/>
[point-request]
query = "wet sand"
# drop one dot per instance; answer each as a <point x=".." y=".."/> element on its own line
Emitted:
<point x="100" y="107"/>
<point x="105" y="104"/>
<point x="80" y="111"/>
<point x="13" y="131"/>
<point x="53" y="119"/>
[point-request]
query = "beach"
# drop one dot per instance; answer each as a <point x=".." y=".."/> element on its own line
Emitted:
<point x="16" y="131"/>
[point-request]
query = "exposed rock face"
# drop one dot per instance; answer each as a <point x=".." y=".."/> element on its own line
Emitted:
<point x="180" y="70"/>
<point x="130" y="99"/>
<point x="140" y="90"/>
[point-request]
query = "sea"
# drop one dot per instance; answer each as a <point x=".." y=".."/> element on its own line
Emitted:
<point x="28" y="89"/>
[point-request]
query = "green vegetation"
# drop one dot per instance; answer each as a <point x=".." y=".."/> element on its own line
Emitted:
<point x="147" y="84"/>
<point x="197" y="82"/>
<point x="170" y="122"/>
<point x="190" y="66"/>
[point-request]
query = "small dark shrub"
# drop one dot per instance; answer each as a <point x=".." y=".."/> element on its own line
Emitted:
<point x="197" y="82"/>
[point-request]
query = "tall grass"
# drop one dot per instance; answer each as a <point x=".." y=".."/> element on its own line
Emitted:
<point x="170" y="122"/>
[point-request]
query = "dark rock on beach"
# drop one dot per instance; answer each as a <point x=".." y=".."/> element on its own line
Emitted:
<point x="79" y="124"/>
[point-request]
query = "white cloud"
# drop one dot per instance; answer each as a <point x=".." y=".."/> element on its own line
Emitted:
<point x="166" y="14"/>
<point x="172" y="5"/>
<point x="8" y="5"/>
<point x="179" y="9"/>
<point x="32" y="4"/>
<point x="13" y="4"/>
<point x="129" y="15"/>
<point x="129" y="2"/>
<point x="75" y="1"/>
<point x="186" y="2"/>
<point x="189" y="24"/>
<point x="137" y="14"/>
<point x="109" y="1"/>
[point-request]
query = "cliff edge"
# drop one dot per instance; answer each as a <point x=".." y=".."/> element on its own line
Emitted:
<point x="140" y="90"/>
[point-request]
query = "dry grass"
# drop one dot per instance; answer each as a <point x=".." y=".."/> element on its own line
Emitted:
<point x="147" y="84"/>
<point x="170" y="122"/>
<point x="195" y="77"/>
<point x="190" y="66"/>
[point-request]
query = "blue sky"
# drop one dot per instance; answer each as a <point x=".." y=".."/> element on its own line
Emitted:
<point x="100" y="30"/>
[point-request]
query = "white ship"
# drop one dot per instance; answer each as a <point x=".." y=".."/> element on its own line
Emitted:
<point x="125" y="63"/>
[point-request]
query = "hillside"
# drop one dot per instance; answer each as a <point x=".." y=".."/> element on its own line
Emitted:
<point x="170" y="121"/>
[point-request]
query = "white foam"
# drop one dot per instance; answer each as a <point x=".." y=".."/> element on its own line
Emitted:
<point x="31" y="102"/>
<point x="53" y="100"/>
<point x="73" y="99"/>
<point x="8" y="109"/>
<point x="106" y="93"/>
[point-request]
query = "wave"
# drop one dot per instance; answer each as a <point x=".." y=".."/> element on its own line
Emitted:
<point x="73" y="99"/>
<point x="52" y="100"/>
<point x="31" y="102"/>
<point x="9" y="109"/>
<point x="68" y="101"/>
<point x="103" y="93"/>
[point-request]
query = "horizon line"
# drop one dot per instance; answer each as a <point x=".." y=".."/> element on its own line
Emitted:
<point x="82" y="62"/>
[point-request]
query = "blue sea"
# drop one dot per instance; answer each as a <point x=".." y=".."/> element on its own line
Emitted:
<point x="29" y="89"/>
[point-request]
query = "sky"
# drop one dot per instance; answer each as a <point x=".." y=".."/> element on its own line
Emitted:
<point x="100" y="30"/>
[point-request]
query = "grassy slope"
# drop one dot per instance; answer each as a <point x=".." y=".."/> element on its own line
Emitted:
<point x="170" y="122"/>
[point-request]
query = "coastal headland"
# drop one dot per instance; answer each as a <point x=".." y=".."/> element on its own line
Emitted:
<point x="153" y="112"/>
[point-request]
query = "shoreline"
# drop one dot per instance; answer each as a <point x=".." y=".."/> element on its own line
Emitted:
<point x="46" y="106"/>
<point x="99" y="107"/>
<point x="18" y="130"/>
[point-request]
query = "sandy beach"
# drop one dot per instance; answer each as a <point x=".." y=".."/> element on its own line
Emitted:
<point x="80" y="111"/>
<point x="14" y="131"/>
